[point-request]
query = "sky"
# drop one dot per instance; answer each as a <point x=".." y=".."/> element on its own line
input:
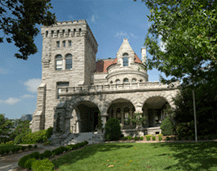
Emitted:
<point x="110" y="21"/>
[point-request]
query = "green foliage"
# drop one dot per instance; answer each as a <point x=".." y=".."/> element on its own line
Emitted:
<point x="99" y="124"/>
<point x="19" y="17"/>
<point x="147" y="138"/>
<point x="23" y="148"/>
<point x="35" y="155"/>
<point x="192" y="137"/>
<point x="29" y="147"/>
<point x="159" y="138"/>
<point x="129" y="137"/>
<point x="167" y="126"/>
<point x="35" y="146"/>
<point x="2" y="152"/>
<point x="49" y="132"/>
<point x="153" y="138"/>
<point x="136" y="138"/>
<point x="141" y="138"/>
<point x="42" y="165"/>
<point x="19" y="139"/>
<point x="28" y="163"/>
<point x="22" y="161"/>
<point x="10" y="143"/>
<point x="47" y="142"/>
<point x="167" y="138"/>
<point x="41" y="156"/>
<point x="209" y="137"/>
<point x="6" y="126"/>
<point x="125" y="138"/>
<point x="179" y="137"/>
<point x="112" y="129"/>
<point x="186" y="137"/>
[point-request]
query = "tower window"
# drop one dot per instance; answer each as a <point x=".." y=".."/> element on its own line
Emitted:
<point x="59" y="62"/>
<point x="70" y="43"/>
<point x="140" y="81"/>
<point x="111" y="82"/>
<point x="58" y="44"/>
<point x="126" y="80"/>
<point x="64" y="43"/>
<point x="68" y="61"/>
<point x="125" y="59"/>
<point x="133" y="80"/>
<point x="117" y="81"/>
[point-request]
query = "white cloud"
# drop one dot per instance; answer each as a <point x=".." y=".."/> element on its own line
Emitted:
<point x="125" y="34"/>
<point x="11" y="101"/>
<point x="27" y="96"/>
<point x="162" y="44"/>
<point x="32" y="84"/>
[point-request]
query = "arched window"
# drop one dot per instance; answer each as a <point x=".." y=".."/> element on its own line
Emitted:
<point x="126" y="115"/>
<point x="140" y="80"/>
<point x="125" y="59"/>
<point x="133" y="80"/>
<point x="126" y="80"/>
<point x="59" y="62"/>
<point x="111" y="82"/>
<point x="68" y="61"/>
<point x="117" y="81"/>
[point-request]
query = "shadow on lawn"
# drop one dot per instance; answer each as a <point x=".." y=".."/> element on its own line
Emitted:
<point x="201" y="155"/>
<point x="87" y="152"/>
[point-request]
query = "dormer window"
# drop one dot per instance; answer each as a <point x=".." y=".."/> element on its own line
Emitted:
<point x="125" y="59"/>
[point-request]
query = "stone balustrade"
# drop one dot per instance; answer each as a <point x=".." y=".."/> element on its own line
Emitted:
<point x="111" y="87"/>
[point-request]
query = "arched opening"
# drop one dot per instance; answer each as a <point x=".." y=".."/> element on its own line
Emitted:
<point x="117" y="81"/>
<point x="68" y="61"/>
<point x="126" y="80"/>
<point x="122" y="109"/>
<point x="86" y="118"/>
<point x="59" y="62"/>
<point x="125" y="59"/>
<point x="154" y="110"/>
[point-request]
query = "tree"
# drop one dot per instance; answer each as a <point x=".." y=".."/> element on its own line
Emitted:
<point x="187" y="29"/>
<point x="22" y="127"/>
<point x="138" y="120"/>
<point x="18" y="19"/>
<point x="6" y="127"/>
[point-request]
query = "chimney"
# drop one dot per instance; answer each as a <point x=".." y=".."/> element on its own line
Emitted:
<point x="143" y="54"/>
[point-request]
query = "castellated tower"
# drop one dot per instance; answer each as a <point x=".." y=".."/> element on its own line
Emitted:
<point x="68" y="59"/>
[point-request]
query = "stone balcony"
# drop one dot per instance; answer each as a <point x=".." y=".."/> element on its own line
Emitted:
<point x="113" y="88"/>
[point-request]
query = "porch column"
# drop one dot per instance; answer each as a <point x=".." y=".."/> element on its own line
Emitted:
<point x="138" y="110"/>
<point x="146" y="115"/>
<point x="103" y="116"/>
<point x="131" y="115"/>
<point x="122" y="116"/>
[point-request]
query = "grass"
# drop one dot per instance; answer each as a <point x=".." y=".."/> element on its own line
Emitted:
<point x="136" y="156"/>
<point x="9" y="147"/>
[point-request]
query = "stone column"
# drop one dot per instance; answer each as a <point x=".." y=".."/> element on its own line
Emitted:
<point x="146" y="115"/>
<point x="103" y="116"/>
<point x="122" y="116"/>
<point x="131" y="115"/>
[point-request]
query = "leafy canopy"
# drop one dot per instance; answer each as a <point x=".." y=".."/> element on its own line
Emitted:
<point x="18" y="19"/>
<point x="187" y="29"/>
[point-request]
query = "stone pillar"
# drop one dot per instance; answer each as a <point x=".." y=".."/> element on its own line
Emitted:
<point x="146" y="115"/>
<point x="103" y="116"/>
<point x="131" y="115"/>
<point x="122" y="116"/>
<point x="138" y="110"/>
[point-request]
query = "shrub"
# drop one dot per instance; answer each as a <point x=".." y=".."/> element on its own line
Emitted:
<point x="186" y="137"/>
<point x="147" y="138"/>
<point x="167" y="126"/>
<point x="153" y="138"/>
<point x="160" y="138"/>
<point x="209" y="137"/>
<point x="42" y="165"/>
<point x="34" y="155"/>
<point x="142" y="138"/>
<point x="49" y="132"/>
<point x="10" y="143"/>
<point x="29" y="146"/>
<point x="41" y="156"/>
<point x="202" y="137"/>
<point x="36" y="137"/>
<point x="112" y="129"/>
<point x="18" y="139"/>
<point x="86" y="142"/>
<point x="174" y="138"/>
<point x="167" y="138"/>
<point x="192" y="137"/>
<point x="185" y="129"/>
<point x="7" y="151"/>
<point x="22" y="161"/>
<point x="28" y="163"/>
<point x="13" y="150"/>
<point x="2" y="152"/>
<point x="125" y="138"/>
<point x="129" y="137"/>
<point x="23" y="148"/>
<point x="35" y="146"/>
<point x="47" y="142"/>
<point x="159" y="134"/>
<point x="179" y="137"/>
<point x="136" y="138"/>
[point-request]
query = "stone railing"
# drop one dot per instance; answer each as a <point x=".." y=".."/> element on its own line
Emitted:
<point x="111" y="87"/>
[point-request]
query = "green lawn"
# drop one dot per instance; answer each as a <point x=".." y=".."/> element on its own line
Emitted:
<point x="141" y="156"/>
<point x="9" y="147"/>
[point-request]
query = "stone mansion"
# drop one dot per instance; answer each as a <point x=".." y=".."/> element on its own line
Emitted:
<point x="75" y="87"/>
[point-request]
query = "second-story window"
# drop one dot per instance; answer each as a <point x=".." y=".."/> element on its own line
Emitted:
<point x="126" y="80"/>
<point x="117" y="81"/>
<point x="68" y="61"/>
<point x="58" y="44"/>
<point x="70" y="43"/>
<point x="133" y="80"/>
<point x="59" y="62"/>
<point x="64" y="43"/>
<point x="125" y="59"/>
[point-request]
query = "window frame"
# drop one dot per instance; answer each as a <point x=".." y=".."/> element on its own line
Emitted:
<point x="67" y="57"/>
<point x="58" y="59"/>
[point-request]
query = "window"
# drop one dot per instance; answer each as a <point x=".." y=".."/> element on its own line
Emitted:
<point x="46" y="33"/>
<point x="118" y="114"/>
<point x="133" y="80"/>
<point x="126" y="80"/>
<point x="64" y="43"/>
<point x="68" y="61"/>
<point x="140" y="81"/>
<point x="117" y="81"/>
<point x="70" y="43"/>
<point x="59" y="62"/>
<point x="126" y="115"/>
<point x="58" y="44"/>
<point x="125" y="59"/>
<point x="111" y="82"/>
<point x="60" y="85"/>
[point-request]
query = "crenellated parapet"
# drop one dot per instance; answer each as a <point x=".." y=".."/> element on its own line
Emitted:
<point x="69" y="29"/>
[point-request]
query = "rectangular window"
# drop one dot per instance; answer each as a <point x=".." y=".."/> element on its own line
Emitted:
<point x="60" y="85"/>
<point x="59" y="64"/>
<point x="68" y="63"/>
<point x="64" y="44"/>
<point x="58" y="44"/>
<point x="70" y="43"/>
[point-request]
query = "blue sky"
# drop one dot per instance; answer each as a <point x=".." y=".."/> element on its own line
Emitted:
<point x="110" y="21"/>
